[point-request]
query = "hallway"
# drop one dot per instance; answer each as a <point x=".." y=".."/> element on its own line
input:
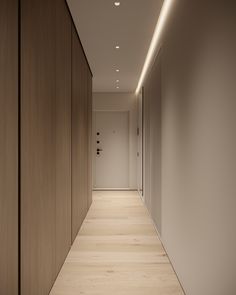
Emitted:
<point x="101" y="100"/>
<point x="117" y="251"/>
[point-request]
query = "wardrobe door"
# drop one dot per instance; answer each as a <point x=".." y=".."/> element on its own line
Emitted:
<point x="46" y="142"/>
<point x="90" y="105"/>
<point x="84" y="108"/>
<point x="9" y="147"/>
<point x="63" y="133"/>
<point x="79" y="135"/>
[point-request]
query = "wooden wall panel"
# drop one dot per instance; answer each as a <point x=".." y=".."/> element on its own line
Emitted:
<point x="85" y="131"/>
<point x="46" y="142"/>
<point x="63" y="133"/>
<point x="79" y="134"/>
<point x="9" y="147"/>
<point x="46" y="130"/>
<point x="76" y="149"/>
<point x="90" y="107"/>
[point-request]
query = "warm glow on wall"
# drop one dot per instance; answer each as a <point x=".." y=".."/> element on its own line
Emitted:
<point x="155" y="41"/>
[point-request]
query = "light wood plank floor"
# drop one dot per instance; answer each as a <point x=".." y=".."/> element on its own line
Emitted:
<point x="117" y="251"/>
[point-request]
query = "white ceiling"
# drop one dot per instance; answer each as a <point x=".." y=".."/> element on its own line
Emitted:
<point x="102" y="26"/>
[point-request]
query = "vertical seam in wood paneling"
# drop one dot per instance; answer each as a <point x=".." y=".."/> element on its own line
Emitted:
<point x="71" y="147"/>
<point x="19" y="147"/>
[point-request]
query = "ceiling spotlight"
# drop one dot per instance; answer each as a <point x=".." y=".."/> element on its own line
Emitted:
<point x="117" y="70"/>
<point x="117" y="87"/>
<point x="117" y="81"/>
<point x="117" y="4"/>
<point x="117" y="47"/>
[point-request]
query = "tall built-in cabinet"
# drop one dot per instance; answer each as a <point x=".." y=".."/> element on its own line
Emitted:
<point x="9" y="147"/>
<point x="45" y="138"/>
<point x="82" y="133"/>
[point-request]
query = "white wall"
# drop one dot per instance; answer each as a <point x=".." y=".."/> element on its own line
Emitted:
<point x="122" y="102"/>
<point x="198" y="145"/>
<point x="152" y="139"/>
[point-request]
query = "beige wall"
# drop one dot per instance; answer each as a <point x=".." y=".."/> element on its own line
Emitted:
<point x="122" y="102"/>
<point x="152" y="146"/>
<point x="198" y="121"/>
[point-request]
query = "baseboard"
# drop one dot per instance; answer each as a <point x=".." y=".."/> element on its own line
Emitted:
<point x="141" y="195"/>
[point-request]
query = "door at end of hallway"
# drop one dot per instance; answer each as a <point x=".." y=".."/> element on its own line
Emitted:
<point x="111" y="150"/>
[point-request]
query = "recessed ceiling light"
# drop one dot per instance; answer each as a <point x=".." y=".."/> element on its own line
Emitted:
<point x="117" y="70"/>
<point x="117" y="81"/>
<point x="117" y="87"/>
<point x="117" y="47"/>
<point x="117" y="3"/>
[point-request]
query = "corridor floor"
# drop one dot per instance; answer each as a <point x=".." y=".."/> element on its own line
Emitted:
<point x="117" y="252"/>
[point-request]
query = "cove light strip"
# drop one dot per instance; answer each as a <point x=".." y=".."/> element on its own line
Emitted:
<point x="165" y="10"/>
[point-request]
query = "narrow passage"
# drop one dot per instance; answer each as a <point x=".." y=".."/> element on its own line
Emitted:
<point x="117" y="252"/>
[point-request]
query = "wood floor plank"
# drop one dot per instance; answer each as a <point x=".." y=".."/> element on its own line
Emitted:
<point x="117" y="251"/>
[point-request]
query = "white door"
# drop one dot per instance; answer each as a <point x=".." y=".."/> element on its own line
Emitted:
<point x="111" y="150"/>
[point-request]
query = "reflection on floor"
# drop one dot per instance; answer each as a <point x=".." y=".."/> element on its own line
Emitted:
<point x="117" y="251"/>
